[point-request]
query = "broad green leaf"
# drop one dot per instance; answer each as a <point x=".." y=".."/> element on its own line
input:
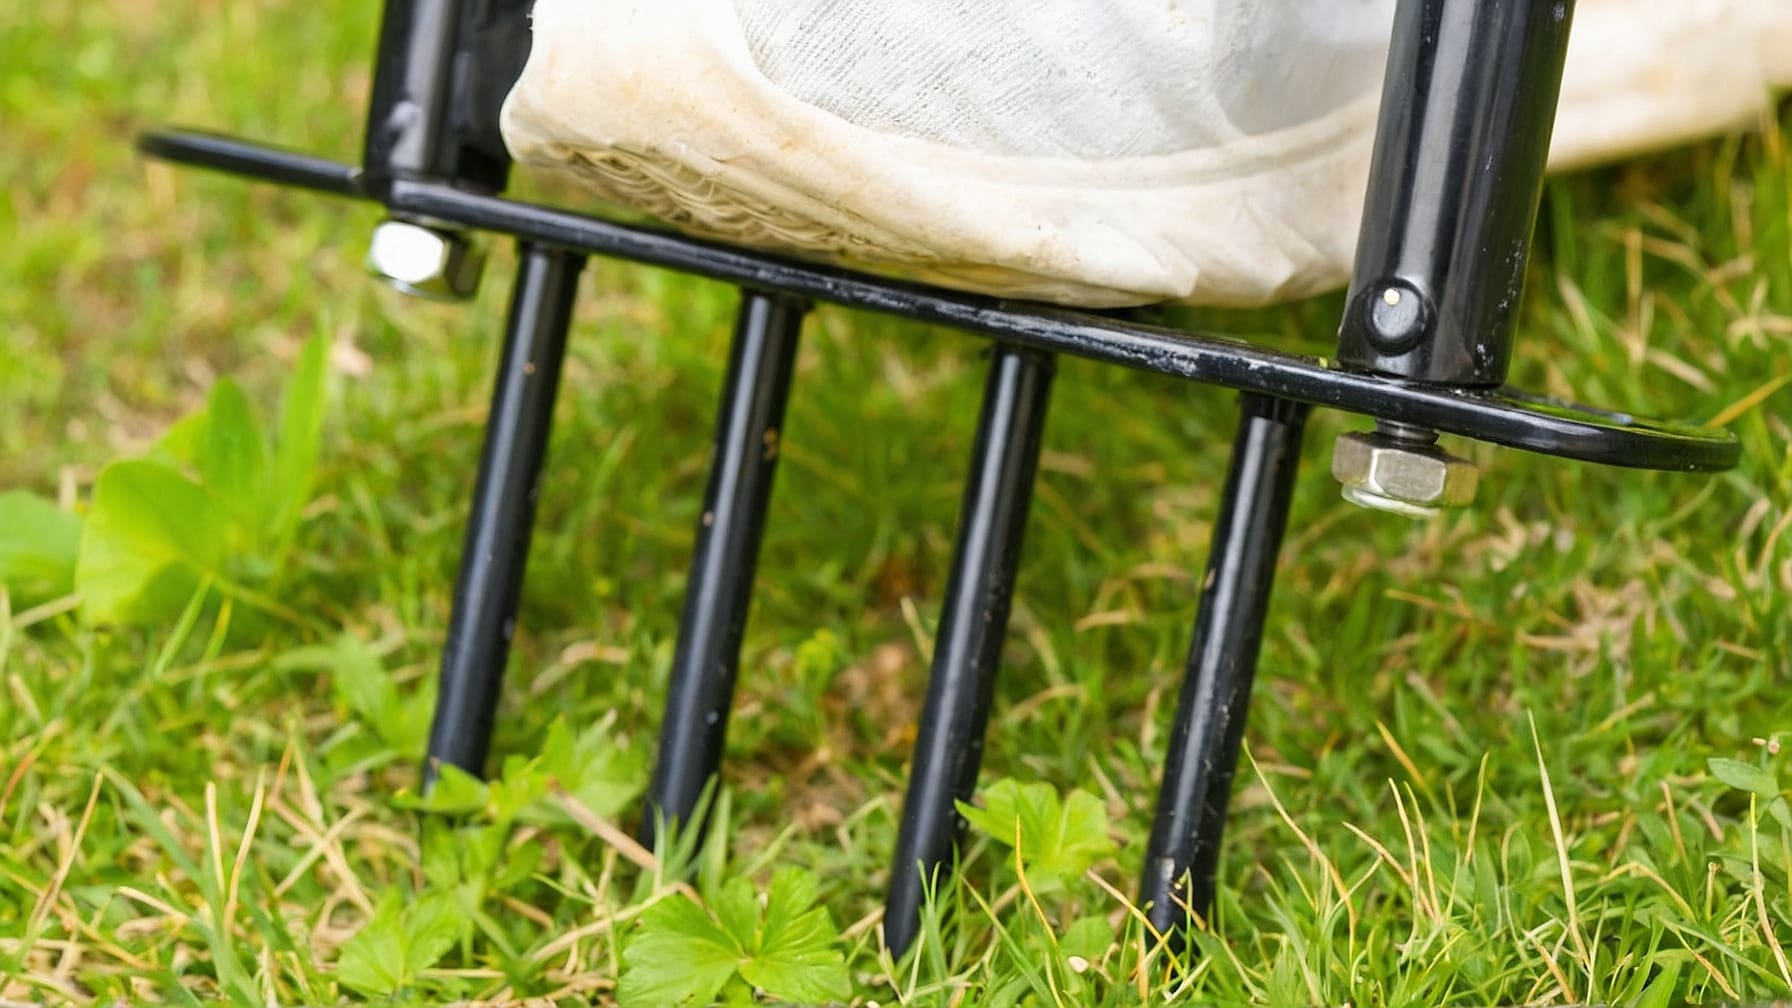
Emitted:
<point x="1781" y="813"/>
<point x="179" y="444"/>
<point x="295" y="446"/>
<point x="1744" y="776"/>
<point x="154" y="535"/>
<point x="38" y="546"/>
<point x="737" y="908"/>
<point x="457" y="792"/>
<point x="230" y="454"/>
<point x="263" y="492"/>
<point x="1071" y="953"/>
<point x="998" y="816"/>
<point x="431" y="927"/>
<point x="400" y="941"/>
<point x="440" y="854"/>
<point x="683" y="954"/>
<point x="604" y="776"/>
<point x="517" y="865"/>
<point x="150" y="536"/>
<point x="797" y="957"/>
<point x="458" y="862"/>
<point x="1088" y="937"/>
<point x="1082" y="835"/>
<point x="523" y="786"/>
<point x="1056" y="840"/>
<point x="373" y="961"/>
<point x="679" y="955"/>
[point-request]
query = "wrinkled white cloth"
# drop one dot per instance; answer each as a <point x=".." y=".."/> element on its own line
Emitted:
<point x="1095" y="153"/>
<point x="1069" y="78"/>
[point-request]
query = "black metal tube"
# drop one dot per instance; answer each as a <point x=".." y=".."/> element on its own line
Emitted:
<point x="1466" y="113"/>
<point x="973" y="621"/>
<point x="749" y="426"/>
<point x="503" y="511"/>
<point x="217" y="152"/>
<point x="408" y="111"/>
<point x="442" y="70"/>
<point x="1210" y="715"/>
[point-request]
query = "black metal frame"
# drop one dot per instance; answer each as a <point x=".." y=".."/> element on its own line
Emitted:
<point x="503" y="512"/>
<point x="1464" y="126"/>
<point x="748" y="433"/>
<point x="967" y="646"/>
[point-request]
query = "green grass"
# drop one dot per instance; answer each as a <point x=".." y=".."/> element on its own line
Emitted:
<point x="1481" y="747"/>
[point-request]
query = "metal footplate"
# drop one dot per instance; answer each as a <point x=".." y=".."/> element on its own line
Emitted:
<point x="1502" y="416"/>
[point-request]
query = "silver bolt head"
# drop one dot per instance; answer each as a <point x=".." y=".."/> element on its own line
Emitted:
<point x="424" y="261"/>
<point x="1388" y="474"/>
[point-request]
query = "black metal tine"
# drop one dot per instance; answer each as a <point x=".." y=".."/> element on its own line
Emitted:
<point x="1210" y="715"/>
<point x="749" y="426"/>
<point x="503" y="512"/>
<point x="974" y="619"/>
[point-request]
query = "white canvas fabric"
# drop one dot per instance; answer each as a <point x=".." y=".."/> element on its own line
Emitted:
<point x="1093" y="152"/>
<point x="1068" y="78"/>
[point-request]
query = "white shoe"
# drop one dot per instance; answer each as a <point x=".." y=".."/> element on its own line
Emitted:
<point x="1648" y="74"/>
<point x="1101" y="154"/>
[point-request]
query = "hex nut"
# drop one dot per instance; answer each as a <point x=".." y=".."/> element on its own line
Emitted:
<point x="424" y="261"/>
<point x="1405" y="477"/>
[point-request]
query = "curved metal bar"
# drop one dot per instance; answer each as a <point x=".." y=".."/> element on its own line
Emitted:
<point x="1505" y="417"/>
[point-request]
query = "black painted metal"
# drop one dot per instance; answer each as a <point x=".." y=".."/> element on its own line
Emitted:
<point x="1425" y="342"/>
<point x="407" y="111"/>
<point x="503" y="511"/>
<point x="1501" y="416"/>
<point x="256" y="162"/>
<point x="442" y="71"/>
<point x="967" y="647"/>
<point x="1210" y="715"/>
<point x="490" y="49"/>
<point x="749" y="431"/>
<point x="1466" y="113"/>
